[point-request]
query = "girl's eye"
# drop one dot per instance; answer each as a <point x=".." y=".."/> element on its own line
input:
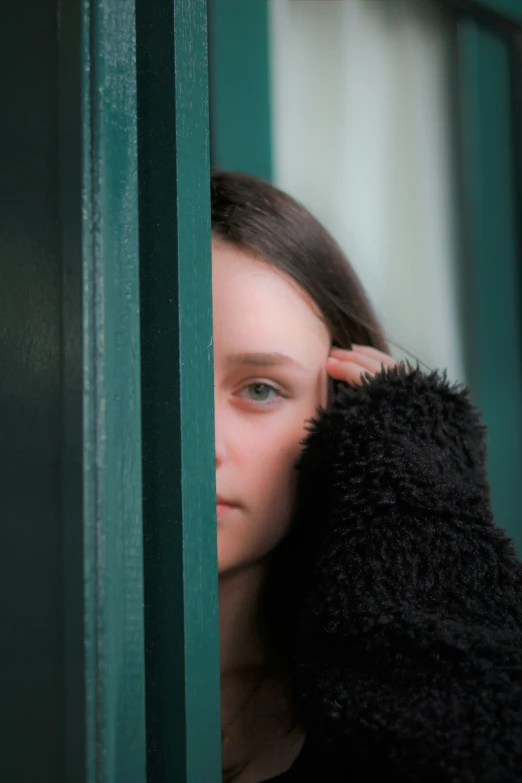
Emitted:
<point x="259" y="392"/>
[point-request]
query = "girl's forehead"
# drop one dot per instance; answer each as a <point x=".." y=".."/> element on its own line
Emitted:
<point x="252" y="294"/>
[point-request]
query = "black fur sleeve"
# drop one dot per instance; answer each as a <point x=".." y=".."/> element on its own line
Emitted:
<point x="409" y="645"/>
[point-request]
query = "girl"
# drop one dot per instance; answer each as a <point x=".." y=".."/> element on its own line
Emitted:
<point x="370" y="612"/>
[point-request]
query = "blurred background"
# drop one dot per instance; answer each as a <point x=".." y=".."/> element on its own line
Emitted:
<point x="397" y="123"/>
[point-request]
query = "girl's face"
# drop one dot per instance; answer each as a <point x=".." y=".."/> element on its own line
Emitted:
<point x="270" y="353"/>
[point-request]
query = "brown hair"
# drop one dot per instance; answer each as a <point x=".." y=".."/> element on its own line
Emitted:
<point x="253" y="215"/>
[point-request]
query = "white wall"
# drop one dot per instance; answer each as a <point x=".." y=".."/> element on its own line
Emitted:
<point x="361" y="135"/>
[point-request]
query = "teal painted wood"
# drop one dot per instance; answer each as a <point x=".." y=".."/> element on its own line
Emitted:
<point x="113" y="551"/>
<point x="182" y="650"/>
<point x="76" y="683"/>
<point x="31" y="399"/>
<point x="494" y="262"/>
<point x="71" y="663"/>
<point x="504" y="15"/>
<point x="240" y="86"/>
<point x="510" y="9"/>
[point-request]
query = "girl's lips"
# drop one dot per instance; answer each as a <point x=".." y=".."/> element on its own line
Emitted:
<point x="222" y="509"/>
<point x="224" y="506"/>
<point x="220" y="500"/>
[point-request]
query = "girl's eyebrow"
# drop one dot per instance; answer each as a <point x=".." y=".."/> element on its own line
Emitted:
<point x="272" y="359"/>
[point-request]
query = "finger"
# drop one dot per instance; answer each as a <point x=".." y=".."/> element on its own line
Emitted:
<point x="367" y="362"/>
<point x="376" y="354"/>
<point x="349" y="372"/>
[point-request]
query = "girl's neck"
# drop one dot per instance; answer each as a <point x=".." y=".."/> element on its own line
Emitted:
<point x="262" y="738"/>
<point x="242" y="645"/>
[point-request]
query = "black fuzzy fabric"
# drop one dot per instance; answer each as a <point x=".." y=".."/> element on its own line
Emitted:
<point x="408" y="655"/>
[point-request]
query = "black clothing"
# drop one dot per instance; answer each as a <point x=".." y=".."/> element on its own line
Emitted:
<point x="310" y="765"/>
<point x="408" y="651"/>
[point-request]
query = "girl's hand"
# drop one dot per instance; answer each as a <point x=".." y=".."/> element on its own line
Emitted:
<point x="348" y="366"/>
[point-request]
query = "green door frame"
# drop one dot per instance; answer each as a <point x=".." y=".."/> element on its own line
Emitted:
<point x="72" y="653"/>
<point x="101" y="338"/>
<point x="490" y="149"/>
<point x="240" y="114"/>
<point x="181" y="627"/>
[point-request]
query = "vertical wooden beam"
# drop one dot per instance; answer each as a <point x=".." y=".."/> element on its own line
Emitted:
<point x="113" y="554"/>
<point x="70" y="448"/>
<point x="241" y="130"/>
<point x="493" y="265"/>
<point x="182" y="653"/>
<point x="31" y="405"/>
